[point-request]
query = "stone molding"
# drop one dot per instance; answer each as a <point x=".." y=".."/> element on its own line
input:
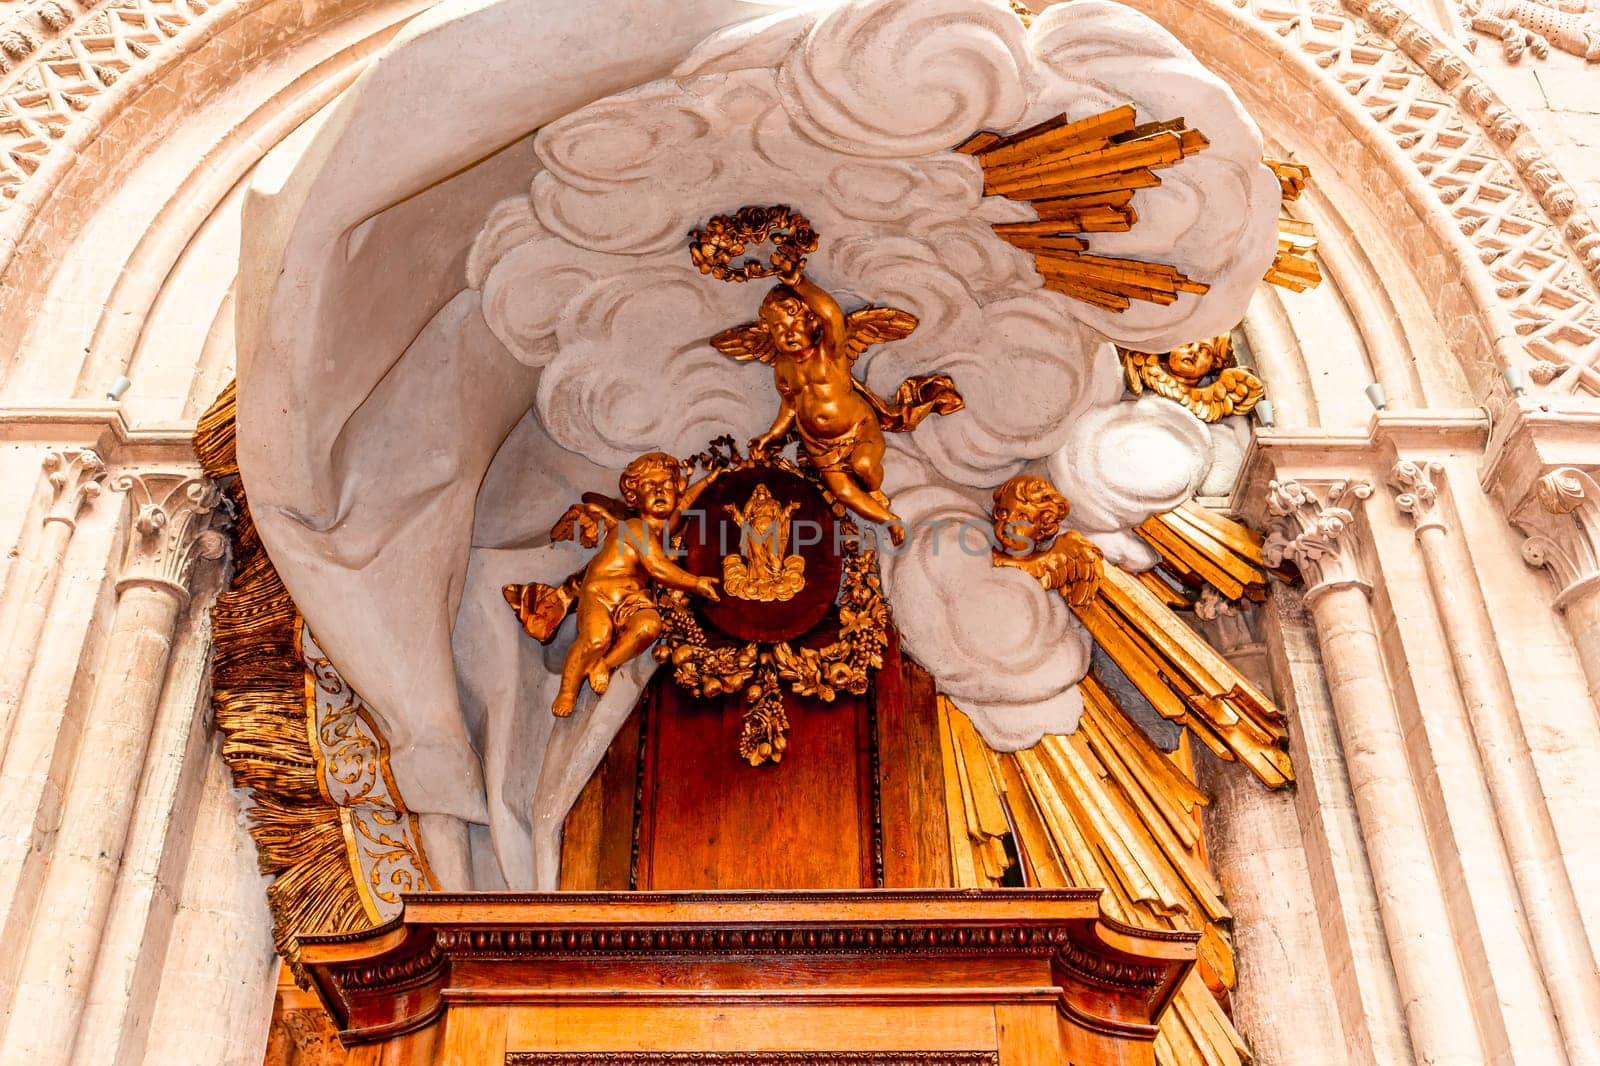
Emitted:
<point x="74" y="476"/>
<point x="64" y="75"/>
<point x="1523" y="26"/>
<point x="1416" y="492"/>
<point x="1312" y="531"/>
<point x="171" y="528"/>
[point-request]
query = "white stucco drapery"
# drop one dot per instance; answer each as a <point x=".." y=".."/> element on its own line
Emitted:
<point x="448" y="328"/>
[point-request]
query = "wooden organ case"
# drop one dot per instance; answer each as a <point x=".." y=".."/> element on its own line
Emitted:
<point x="788" y="914"/>
<point x="794" y="912"/>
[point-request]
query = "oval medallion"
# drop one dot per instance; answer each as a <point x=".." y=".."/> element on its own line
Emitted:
<point x="766" y="534"/>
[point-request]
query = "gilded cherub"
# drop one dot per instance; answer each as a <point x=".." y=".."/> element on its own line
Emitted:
<point x="1028" y="512"/>
<point x="615" y="604"/>
<point x="812" y="345"/>
<point x="1177" y="375"/>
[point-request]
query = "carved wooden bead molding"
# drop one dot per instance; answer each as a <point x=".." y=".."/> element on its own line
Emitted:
<point x="1562" y="520"/>
<point x="1313" y="533"/>
<point x="74" y="475"/>
<point x="1416" y="493"/>
<point x="172" y="528"/>
<point x="752" y="1058"/>
<point x="566" y="941"/>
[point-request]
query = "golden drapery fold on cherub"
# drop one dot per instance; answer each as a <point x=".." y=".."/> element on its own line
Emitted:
<point x="1178" y="375"/>
<point x="613" y="594"/>
<point x="812" y="345"/>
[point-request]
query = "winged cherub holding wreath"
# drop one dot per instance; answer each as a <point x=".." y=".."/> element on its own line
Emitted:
<point x="812" y="346"/>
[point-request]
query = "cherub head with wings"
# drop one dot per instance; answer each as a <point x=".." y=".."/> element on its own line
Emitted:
<point x="1028" y="512"/>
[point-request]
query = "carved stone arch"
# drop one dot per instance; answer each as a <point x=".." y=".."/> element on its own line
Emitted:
<point x="1495" y="237"/>
<point x="138" y="155"/>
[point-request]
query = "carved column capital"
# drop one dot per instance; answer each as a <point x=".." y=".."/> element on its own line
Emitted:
<point x="1313" y="532"/>
<point x="172" y="527"/>
<point x="74" y="476"/>
<point x="1417" y="493"/>
<point x="1562" y="519"/>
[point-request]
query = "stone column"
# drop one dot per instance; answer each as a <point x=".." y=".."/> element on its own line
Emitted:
<point x="170" y="529"/>
<point x="1562" y="520"/>
<point x="1316" y="536"/>
<point x="1548" y="902"/>
<point x="74" y="479"/>
<point x="1283" y="1003"/>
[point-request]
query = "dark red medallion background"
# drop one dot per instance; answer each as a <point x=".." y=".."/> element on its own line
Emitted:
<point x="711" y="533"/>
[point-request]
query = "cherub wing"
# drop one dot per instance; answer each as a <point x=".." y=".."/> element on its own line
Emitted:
<point x="875" y="325"/>
<point x="1243" y="390"/>
<point x="584" y="520"/>
<point x="1133" y="366"/>
<point x="1070" y="566"/>
<point x="1078" y="560"/>
<point x="745" y="343"/>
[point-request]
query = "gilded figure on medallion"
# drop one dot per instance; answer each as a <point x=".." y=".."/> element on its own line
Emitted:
<point x="613" y="595"/>
<point x="761" y="570"/>
<point x="812" y="345"/>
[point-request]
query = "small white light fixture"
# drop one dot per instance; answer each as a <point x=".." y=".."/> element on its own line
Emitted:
<point x="119" y="385"/>
<point x="1516" y="380"/>
<point x="1265" y="414"/>
<point x="1375" y="395"/>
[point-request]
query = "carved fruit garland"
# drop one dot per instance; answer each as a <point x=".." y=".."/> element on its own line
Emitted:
<point x="761" y="670"/>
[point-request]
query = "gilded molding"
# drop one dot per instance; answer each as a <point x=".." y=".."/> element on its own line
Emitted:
<point x="382" y="838"/>
<point x="1312" y="532"/>
<point x="1417" y="493"/>
<point x="171" y="528"/>
<point x="74" y="476"/>
<point x="752" y="1058"/>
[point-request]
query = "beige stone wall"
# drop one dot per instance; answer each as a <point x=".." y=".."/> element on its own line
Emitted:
<point x="1426" y="892"/>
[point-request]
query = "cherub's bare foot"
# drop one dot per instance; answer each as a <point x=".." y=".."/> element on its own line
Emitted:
<point x="599" y="678"/>
<point x="897" y="533"/>
<point x="563" y="705"/>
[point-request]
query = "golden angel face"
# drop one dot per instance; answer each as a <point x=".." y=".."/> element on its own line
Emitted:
<point x="792" y="325"/>
<point x="1027" y="514"/>
<point x="1191" y="362"/>
<point x="652" y="485"/>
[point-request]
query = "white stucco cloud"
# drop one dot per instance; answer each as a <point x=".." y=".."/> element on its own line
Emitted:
<point x="849" y="114"/>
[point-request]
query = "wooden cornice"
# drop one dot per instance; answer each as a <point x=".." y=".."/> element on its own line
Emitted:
<point x="924" y="945"/>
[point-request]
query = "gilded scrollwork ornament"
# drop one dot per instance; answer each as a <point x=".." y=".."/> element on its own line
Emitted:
<point x="1182" y="375"/>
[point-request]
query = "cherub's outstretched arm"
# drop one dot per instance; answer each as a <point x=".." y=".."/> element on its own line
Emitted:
<point x="670" y="574"/>
<point x="692" y="493"/>
<point x="826" y="308"/>
<point x="780" y="425"/>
